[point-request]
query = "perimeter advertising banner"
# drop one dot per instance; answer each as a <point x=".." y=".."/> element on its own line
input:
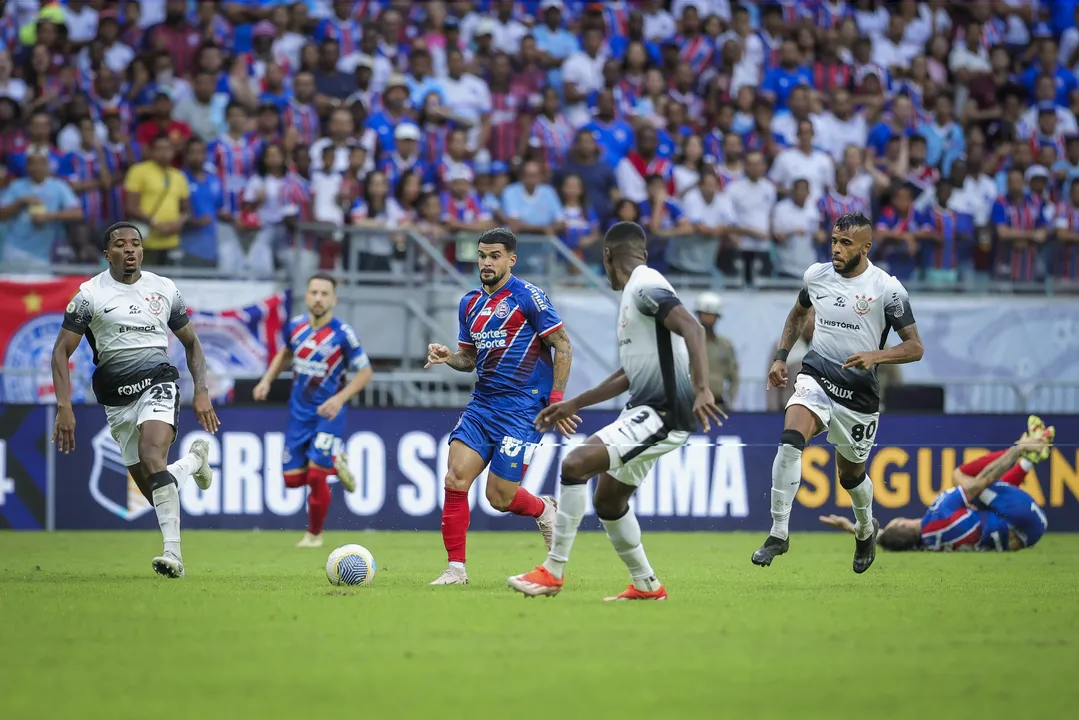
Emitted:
<point x="717" y="482"/>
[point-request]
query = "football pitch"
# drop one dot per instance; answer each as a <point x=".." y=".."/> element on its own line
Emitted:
<point x="256" y="631"/>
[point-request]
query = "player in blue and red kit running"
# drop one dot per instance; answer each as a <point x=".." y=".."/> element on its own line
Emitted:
<point x="985" y="510"/>
<point x="508" y="330"/>
<point x="322" y="349"/>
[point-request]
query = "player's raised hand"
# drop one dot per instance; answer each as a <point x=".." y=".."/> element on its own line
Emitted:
<point x="777" y="375"/>
<point x="204" y="412"/>
<point x="63" y="434"/>
<point x="707" y="411"/>
<point x="261" y="391"/>
<point x="562" y="414"/>
<point x="437" y="355"/>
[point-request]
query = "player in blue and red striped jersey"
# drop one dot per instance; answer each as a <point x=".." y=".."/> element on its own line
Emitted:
<point x="985" y="510"/>
<point x="323" y="350"/>
<point x="508" y="330"/>
<point x="948" y="247"/>
<point x="1020" y="223"/>
<point x="898" y="235"/>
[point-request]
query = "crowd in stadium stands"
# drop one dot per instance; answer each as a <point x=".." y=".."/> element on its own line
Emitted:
<point x="735" y="133"/>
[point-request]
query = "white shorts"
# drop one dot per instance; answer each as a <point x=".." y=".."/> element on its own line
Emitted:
<point x="851" y="432"/>
<point x="635" y="441"/>
<point x="158" y="402"/>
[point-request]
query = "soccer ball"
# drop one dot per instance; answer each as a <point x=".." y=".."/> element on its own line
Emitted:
<point x="350" y="565"/>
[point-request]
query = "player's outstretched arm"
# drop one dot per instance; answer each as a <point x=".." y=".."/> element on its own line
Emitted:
<point x="793" y="328"/>
<point x="196" y="364"/>
<point x="464" y="360"/>
<point x="63" y="434"/>
<point x="280" y="360"/>
<point x="615" y="384"/>
<point x="679" y="321"/>
<point x="563" y="359"/>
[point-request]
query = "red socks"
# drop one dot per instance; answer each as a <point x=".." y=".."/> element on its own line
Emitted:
<point x="318" y="500"/>
<point x="455" y="519"/>
<point x="1014" y="476"/>
<point x="527" y="504"/>
<point x="296" y="478"/>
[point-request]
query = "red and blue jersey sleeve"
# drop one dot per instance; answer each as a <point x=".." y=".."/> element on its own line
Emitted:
<point x="540" y="312"/>
<point x="464" y="331"/>
<point x="950" y="522"/>
<point x="353" y="351"/>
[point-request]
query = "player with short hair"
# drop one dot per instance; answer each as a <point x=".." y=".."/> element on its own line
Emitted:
<point x="855" y="306"/>
<point x="983" y="511"/>
<point x="508" y="330"/>
<point x="665" y="369"/>
<point x="322" y="349"/>
<point x="125" y="313"/>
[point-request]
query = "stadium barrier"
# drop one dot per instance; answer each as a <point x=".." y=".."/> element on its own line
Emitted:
<point x="718" y="482"/>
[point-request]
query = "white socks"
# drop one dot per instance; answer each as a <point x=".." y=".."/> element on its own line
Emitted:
<point x="861" y="499"/>
<point x="572" y="503"/>
<point x="184" y="468"/>
<point x="625" y="535"/>
<point x="1025" y="464"/>
<point x="786" y="477"/>
<point x="167" y="505"/>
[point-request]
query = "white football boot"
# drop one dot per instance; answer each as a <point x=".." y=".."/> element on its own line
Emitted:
<point x="204" y="475"/>
<point x="546" y="520"/>
<point x="344" y="475"/>
<point x="310" y="541"/>
<point x="169" y="565"/>
<point x="452" y="576"/>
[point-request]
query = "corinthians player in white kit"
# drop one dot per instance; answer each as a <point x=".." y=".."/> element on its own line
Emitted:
<point x="665" y="369"/>
<point x="125" y="314"/>
<point x="856" y="305"/>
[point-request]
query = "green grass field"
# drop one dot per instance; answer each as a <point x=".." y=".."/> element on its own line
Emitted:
<point x="255" y="631"/>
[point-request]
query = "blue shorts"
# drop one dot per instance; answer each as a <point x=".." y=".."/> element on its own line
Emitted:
<point x="1018" y="509"/>
<point x="505" y="440"/>
<point x="315" y="440"/>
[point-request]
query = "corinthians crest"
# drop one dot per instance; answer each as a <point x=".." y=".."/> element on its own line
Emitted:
<point x="861" y="304"/>
<point x="155" y="304"/>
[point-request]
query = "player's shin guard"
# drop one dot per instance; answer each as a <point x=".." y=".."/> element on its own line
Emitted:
<point x="318" y="500"/>
<point x="455" y="519"/>
<point x="572" y="504"/>
<point x="526" y="504"/>
<point x="786" y="477"/>
<point x="166" y="497"/>
<point x="625" y="536"/>
<point x="861" y="500"/>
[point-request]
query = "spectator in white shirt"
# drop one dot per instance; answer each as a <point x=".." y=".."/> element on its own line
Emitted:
<point x="582" y="74"/>
<point x="687" y="173"/>
<point x="659" y="24"/>
<point x="752" y="199"/>
<point x="710" y="212"/>
<point x="794" y="222"/>
<point x="840" y="126"/>
<point x="969" y="58"/>
<point x="468" y="99"/>
<point x="806" y="162"/>
<point x="81" y="21"/>
<point x="506" y="31"/>
<point x="889" y="50"/>
<point x="10" y="87"/>
<point x="785" y="123"/>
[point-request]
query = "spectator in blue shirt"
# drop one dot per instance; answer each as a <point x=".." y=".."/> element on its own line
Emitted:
<point x="896" y="124"/>
<point x="614" y="136"/>
<point x="554" y="42"/>
<point x="944" y="137"/>
<point x="33" y="211"/>
<point x="199" y="236"/>
<point x="1048" y="63"/>
<point x="1066" y="169"/>
<point x="531" y="207"/>
<point x="779" y="81"/>
<point x="392" y="114"/>
<point x="420" y="80"/>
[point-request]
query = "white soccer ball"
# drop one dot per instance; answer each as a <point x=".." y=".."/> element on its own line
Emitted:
<point x="350" y="565"/>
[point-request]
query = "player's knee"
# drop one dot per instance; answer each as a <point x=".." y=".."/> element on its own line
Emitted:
<point x="609" y="508"/>
<point x="457" y="480"/>
<point x="575" y="469"/>
<point x="793" y="438"/>
<point x="153" y="456"/>
<point x="499" y="498"/>
<point x="850" y="480"/>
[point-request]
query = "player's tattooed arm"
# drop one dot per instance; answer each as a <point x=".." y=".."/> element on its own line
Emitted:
<point x="196" y="364"/>
<point x="908" y="351"/>
<point x="464" y="360"/>
<point x="563" y="357"/>
<point x="795" y="324"/>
